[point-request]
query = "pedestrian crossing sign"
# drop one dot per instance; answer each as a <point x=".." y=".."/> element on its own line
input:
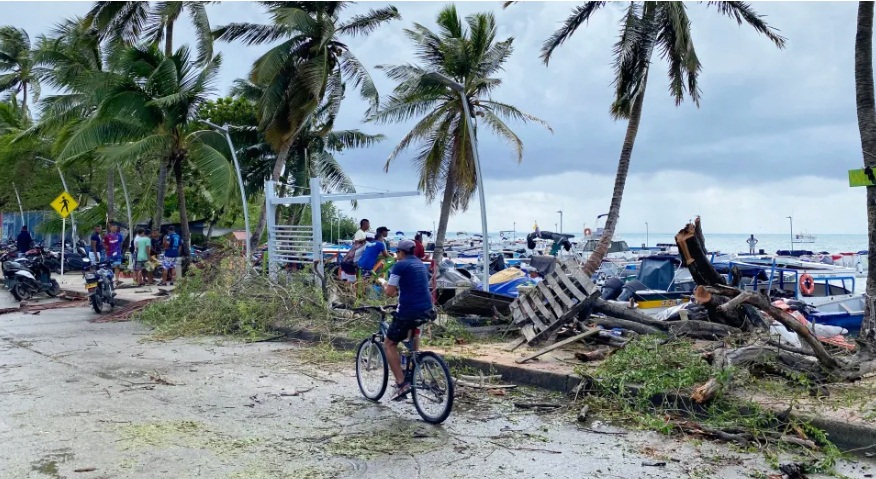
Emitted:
<point x="64" y="204"/>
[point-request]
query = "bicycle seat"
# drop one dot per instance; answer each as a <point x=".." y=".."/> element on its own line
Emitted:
<point x="426" y="317"/>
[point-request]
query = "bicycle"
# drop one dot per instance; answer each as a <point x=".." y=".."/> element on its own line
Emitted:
<point x="426" y="371"/>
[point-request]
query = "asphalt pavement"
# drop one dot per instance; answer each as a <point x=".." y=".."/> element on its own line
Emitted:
<point x="91" y="400"/>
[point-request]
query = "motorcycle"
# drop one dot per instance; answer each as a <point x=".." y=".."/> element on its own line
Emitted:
<point x="29" y="277"/>
<point x="99" y="284"/>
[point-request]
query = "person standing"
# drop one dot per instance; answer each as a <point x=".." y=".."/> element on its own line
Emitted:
<point x="373" y="251"/>
<point x="24" y="241"/>
<point x="172" y="244"/>
<point x="97" y="245"/>
<point x="419" y="249"/>
<point x="751" y="242"/>
<point x="362" y="232"/>
<point x="113" y="243"/>
<point x="143" y="248"/>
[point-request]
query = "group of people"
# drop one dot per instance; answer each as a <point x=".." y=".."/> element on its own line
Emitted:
<point x="146" y="246"/>
<point x="369" y="248"/>
<point x="408" y="280"/>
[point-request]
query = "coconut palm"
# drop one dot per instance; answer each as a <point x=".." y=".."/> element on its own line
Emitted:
<point x="471" y="57"/>
<point x="152" y="114"/>
<point x="646" y="27"/>
<point x="865" y="100"/>
<point x="16" y="65"/>
<point x="130" y="23"/>
<point x="307" y="68"/>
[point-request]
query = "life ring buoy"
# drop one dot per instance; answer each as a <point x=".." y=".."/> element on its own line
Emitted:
<point x="807" y="284"/>
<point x="588" y="232"/>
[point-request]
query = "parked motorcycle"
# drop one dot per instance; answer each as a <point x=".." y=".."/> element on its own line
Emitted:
<point x="29" y="277"/>
<point x="99" y="284"/>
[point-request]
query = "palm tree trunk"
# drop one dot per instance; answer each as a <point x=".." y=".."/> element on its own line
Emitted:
<point x="168" y="39"/>
<point x="865" y="100"/>
<point x="181" y="199"/>
<point x="160" y="194"/>
<point x="24" y="98"/>
<point x="263" y="212"/>
<point x="620" y="179"/>
<point x="444" y="217"/>
<point x="110" y="196"/>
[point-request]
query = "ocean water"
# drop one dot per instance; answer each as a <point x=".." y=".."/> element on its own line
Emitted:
<point x="732" y="243"/>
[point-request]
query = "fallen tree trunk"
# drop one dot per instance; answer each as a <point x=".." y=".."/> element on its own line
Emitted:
<point x="625" y="324"/>
<point x="702" y="329"/>
<point x="694" y="256"/>
<point x="761" y="302"/>
<point x="621" y="311"/>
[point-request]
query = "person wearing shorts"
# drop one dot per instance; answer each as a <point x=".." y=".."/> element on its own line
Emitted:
<point x="113" y="244"/>
<point x="172" y="243"/>
<point x="408" y="280"/>
<point x="142" y="248"/>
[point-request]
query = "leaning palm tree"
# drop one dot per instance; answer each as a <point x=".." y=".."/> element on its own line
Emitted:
<point x="865" y="98"/>
<point x="307" y="68"/>
<point x="470" y="57"/>
<point x="646" y="27"/>
<point x="152" y="114"/>
<point x="130" y="23"/>
<point x="16" y="65"/>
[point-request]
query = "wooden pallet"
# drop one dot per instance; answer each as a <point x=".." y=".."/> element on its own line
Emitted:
<point x="553" y="303"/>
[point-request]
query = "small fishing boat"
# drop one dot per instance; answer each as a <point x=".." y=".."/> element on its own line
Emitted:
<point x="804" y="238"/>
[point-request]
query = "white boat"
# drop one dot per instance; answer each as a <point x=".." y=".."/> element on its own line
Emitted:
<point x="804" y="238"/>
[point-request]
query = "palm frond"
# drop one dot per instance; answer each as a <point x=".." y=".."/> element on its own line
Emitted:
<point x="507" y="111"/>
<point x="250" y="33"/>
<point x="743" y="12"/>
<point x="578" y="17"/>
<point x="367" y="23"/>
<point x="677" y="48"/>
<point x="501" y="129"/>
<point x="357" y="73"/>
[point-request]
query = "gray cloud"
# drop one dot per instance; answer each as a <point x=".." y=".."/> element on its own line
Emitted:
<point x="768" y="119"/>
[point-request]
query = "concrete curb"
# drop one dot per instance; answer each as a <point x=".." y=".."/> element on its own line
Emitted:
<point x="844" y="435"/>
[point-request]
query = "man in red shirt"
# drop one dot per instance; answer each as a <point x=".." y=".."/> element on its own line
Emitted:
<point x="419" y="250"/>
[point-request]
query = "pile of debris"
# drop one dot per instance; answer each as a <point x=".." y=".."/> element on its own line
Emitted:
<point x="568" y="304"/>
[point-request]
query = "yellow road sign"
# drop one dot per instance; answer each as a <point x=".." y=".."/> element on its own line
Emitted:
<point x="64" y="204"/>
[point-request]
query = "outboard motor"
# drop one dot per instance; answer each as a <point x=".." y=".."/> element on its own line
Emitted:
<point x="562" y="239"/>
<point x="630" y="289"/>
<point x="612" y="288"/>
<point x="497" y="263"/>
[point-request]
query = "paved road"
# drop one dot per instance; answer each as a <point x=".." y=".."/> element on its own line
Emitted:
<point x="104" y="398"/>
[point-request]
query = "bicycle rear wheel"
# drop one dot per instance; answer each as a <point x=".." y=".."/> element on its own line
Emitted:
<point x="372" y="370"/>
<point x="432" y="388"/>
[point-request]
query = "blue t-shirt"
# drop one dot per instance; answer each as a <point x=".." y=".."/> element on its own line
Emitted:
<point x="412" y="280"/>
<point x="370" y="253"/>
<point x="172" y="250"/>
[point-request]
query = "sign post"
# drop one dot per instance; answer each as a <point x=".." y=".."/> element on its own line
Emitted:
<point x="64" y="204"/>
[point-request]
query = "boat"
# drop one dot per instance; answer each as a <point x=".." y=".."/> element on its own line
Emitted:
<point x="661" y="283"/>
<point x="803" y="238"/>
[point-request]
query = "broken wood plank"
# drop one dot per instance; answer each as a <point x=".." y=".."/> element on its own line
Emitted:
<point x="560" y="344"/>
<point x="536" y="321"/>
<point x="571" y="287"/>
<point x="548" y="295"/>
<point x="539" y="305"/>
<point x="554" y="285"/>
<point x="568" y="317"/>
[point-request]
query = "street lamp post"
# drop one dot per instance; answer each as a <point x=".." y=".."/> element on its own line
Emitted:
<point x="561" y="221"/>
<point x="480" y="177"/>
<point x="224" y="129"/>
<point x="647" y="239"/>
<point x="791" y="219"/>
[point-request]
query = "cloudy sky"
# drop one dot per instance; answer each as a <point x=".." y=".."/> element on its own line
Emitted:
<point x="774" y="136"/>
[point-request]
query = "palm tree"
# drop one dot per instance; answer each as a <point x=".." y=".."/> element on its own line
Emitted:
<point x="152" y="114"/>
<point x="131" y="22"/>
<point x="311" y="153"/>
<point x="308" y="67"/>
<point x="647" y="26"/>
<point x="16" y="65"/>
<point x="469" y="56"/>
<point x="865" y="100"/>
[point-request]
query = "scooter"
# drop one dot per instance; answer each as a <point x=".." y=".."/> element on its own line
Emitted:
<point x="100" y="286"/>
<point x="26" y="281"/>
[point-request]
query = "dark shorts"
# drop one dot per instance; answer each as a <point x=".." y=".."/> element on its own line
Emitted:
<point x="349" y="268"/>
<point x="401" y="326"/>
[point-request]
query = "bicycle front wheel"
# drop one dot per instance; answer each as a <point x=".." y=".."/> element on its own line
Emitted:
<point x="372" y="370"/>
<point x="432" y="388"/>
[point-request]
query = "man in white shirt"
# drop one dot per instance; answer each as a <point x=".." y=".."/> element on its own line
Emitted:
<point x="360" y="235"/>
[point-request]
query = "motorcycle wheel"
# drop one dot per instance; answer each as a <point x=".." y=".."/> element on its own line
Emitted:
<point x="54" y="290"/>
<point x="97" y="303"/>
<point x="17" y="291"/>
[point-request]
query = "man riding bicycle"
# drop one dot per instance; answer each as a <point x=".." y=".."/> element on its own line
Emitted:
<point x="409" y="280"/>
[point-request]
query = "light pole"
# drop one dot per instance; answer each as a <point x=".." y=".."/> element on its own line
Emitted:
<point x="224" y="129"/>
<point x="514" y="232"/>
<point x="561" y="221"/>
<point x="434" y="76"/>
<point x="647" y="239"/>
<point x="792" y="232"/>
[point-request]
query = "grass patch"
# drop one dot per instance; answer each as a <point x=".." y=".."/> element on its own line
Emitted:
<point x="648" y="383"/>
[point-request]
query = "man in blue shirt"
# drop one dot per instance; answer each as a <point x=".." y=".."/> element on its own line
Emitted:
<point x="373" y="250"/>
<point x="408" y="280"/>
